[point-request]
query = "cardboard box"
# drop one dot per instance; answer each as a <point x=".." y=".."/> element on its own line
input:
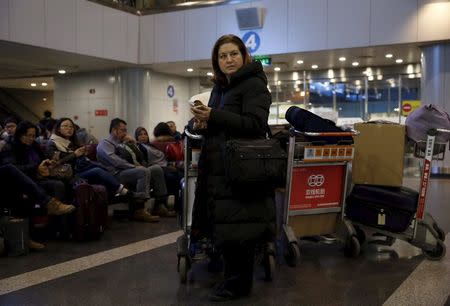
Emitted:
<point x="379" y="154"/>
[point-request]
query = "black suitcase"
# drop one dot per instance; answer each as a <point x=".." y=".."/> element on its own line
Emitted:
<point x="305" y="121"/>
<point x="388" y="208"/>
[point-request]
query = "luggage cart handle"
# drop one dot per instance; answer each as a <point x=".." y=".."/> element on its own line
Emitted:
<point x="440" y="131"/>
<point x="192" y="136"/>
<point x="316" y="134"/>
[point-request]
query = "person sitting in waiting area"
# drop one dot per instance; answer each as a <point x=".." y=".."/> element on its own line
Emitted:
<point x="173" y="128"/>
<point x="163" y="202"/>
<point x="153" y="156"/>
<point x="23" y="151"/>
<point x="14" y="184"/>
<point x="132" y="176"/>
<point x="63" y="146"/>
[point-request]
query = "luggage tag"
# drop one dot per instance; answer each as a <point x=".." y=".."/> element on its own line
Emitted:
<point x="381" y="218"/>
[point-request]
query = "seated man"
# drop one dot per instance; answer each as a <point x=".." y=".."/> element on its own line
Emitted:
<point x="133" y="177"/>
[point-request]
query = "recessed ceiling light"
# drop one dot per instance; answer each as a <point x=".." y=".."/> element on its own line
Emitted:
<point x="189" y="70"/>
<point x="44" y="84"/>
<point x="333" y="80"/>
<point x="279" y="83"/>
<point x="389" y="55"/>
<point x="314" y="66"/>
<point x="342" y="59"/>
<point x="277" y="68"/>
<point x="61" y="71"/>
<point x="411" y="75"/>
<point x="33" y="84"/>
<point x="357" y="82"/>
<point x="299" y="62"/>
<point x="379" y="77"/>
<point x="355" y="64"/>
<point x="370" y="78"/>
<point x="210" y="74"/>
<point x="44" y="99"/>
<point x="399" y="61"/>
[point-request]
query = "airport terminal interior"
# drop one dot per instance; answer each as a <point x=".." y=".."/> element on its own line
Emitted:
<point x="348" y="61"/>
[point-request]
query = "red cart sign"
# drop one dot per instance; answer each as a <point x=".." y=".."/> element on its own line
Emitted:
<point x="316" y="187"/>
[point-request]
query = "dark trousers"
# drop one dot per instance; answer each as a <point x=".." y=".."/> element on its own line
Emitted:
<point x="15" y="183"/>
<point x="239" y="261"/>
<point x="98" y="176"/>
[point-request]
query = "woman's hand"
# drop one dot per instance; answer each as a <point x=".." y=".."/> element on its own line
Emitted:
<point x="43" y="168"/>
<point x="201" y="112"/>
<point x="80" y="151"/>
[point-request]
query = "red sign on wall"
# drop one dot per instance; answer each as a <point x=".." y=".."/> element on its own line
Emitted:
<point x="101" y="112"/>
<point x="316" y="187"/>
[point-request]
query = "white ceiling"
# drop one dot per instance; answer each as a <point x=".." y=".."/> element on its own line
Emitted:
<point x="21" y="65"/>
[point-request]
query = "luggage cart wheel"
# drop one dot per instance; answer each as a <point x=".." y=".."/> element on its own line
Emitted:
<point x="269" y="267"/>
<point x="183" y="268"/>
<point x="440" y="232"/>
<point x="361" y="235"/>
<point x="437" y="253"/>
<point x="352" y="247"/>
<point x="292" y="255"/>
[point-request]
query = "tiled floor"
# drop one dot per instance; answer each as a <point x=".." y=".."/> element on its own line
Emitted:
<point x="397" y="275"/>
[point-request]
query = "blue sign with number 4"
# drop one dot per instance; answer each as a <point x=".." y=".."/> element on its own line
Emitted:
<point x="252" y="41"/>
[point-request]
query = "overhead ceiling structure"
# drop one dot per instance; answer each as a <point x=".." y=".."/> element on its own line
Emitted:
<point x="21" y="65"/>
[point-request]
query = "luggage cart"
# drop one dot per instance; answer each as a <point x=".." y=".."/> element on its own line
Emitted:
<point x="184" y="249"/>
<point x="423" y="231"/>
<point x="316" y="184"/>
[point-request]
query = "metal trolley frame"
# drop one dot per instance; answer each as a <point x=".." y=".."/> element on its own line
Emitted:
<point x="339" y="162"/>
<point x="185" y="258"/>
<point x="423" y="232"/>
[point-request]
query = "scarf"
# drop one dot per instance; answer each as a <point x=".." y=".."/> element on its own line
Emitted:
<point x="61" y="143"/>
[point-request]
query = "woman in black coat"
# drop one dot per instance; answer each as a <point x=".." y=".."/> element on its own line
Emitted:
<point x="237" y="218"/>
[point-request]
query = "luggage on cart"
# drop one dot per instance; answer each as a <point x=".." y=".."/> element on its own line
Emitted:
<point x="305" y="121"/>
<point x="388" y="208"/>
<point x="92" y="211"/>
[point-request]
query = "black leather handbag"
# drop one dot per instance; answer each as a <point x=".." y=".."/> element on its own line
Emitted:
<point x="255" y="162"/>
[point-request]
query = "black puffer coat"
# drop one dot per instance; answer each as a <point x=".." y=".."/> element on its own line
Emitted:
<point x="240" y="110"/>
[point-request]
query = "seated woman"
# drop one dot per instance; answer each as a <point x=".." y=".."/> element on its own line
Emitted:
<point x="153" y="156"/>
<point x="63" y="147"/>
<point x="14" y="185"/>
<point x="25" y="153"/>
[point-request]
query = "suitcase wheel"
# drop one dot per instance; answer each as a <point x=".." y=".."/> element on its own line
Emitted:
<point x="269" y="266"/>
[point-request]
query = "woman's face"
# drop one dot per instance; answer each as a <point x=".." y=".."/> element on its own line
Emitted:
<point x="28" y="137"/>
<point x="66" y="129"/>
<point x="142" y="137"/>
<point x="230" y="58"/>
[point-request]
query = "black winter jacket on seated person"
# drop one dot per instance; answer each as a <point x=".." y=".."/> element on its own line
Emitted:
<point x="239" y="110"/>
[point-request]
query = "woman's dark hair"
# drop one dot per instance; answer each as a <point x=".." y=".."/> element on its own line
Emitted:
<point x="138" y="131"/>
<point x="162" y="129"/>
<point x="22" y="129"/>
<point x="219" y="76"/>
<point x="57" y="130"/>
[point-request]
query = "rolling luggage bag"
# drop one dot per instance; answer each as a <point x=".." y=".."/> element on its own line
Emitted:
<point x="388" y="208"/>
<point x="305" y="121"/>
<point x="92" y="211"/>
